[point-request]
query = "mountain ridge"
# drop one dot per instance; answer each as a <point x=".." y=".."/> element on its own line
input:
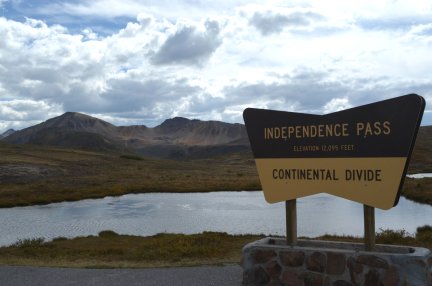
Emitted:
<point x="176" y="137"/>
<point x="7" y="133"/>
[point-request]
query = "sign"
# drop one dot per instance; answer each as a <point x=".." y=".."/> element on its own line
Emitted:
<point x="360" y="154"/>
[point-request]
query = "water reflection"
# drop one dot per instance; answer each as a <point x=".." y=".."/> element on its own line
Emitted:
<point x="232" y="212"/>
<point x="420" y="176"/>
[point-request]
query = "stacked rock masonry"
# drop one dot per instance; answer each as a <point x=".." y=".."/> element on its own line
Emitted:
<point x="317" y="263"/>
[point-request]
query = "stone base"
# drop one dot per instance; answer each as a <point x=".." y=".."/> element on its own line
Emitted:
<point x="270" y="261"/>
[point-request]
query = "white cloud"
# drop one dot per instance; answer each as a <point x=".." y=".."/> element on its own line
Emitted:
<point x="18" y="114"/>
<point x="189" y="46"/>
<point x="336" y="104"/>
<point x="211" y="60"/>
<point x="274" y="22"/>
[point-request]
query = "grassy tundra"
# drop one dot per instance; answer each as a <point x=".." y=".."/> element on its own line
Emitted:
<point x="39" y="175"/>
<point x="111" y="250"/>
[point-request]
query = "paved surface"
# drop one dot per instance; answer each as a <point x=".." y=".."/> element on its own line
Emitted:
<point x="199" y="276"/>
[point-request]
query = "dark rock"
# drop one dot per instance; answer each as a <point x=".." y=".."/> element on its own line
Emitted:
<point x="262" y="256"/>
<point x="342" y="283"/>
<point x="312" y="279"/>
<point x="354" y="266"/>
<point x="316" y="262"/>
<point x="372" y="278"/>
<point x="391" y="276"/>
<point x="290" y="278"/>
<point x="273" y="269"/>
<point x="292" y="259"/>
<point x="373" y="261"/>
<point x="355" y="270"/>
<point x="336" y="263"/>
<point x="275" y="282"/>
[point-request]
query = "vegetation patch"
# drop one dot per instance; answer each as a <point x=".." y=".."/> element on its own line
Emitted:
<point x="422" y="237"/>
<point x="112" y="250"/>
<point x="132" y="157"/>
<point x="31" y="174"/>
<point x="40" y="175"/>
<point x="109" y="249"/>
<point x="418" y="190"/>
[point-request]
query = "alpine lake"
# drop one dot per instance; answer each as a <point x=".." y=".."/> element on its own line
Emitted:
<point x="231" y="212"/>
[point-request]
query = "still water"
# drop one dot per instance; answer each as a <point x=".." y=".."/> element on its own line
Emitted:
<point x="420" y="176"/>
<point x="232" y="212"/>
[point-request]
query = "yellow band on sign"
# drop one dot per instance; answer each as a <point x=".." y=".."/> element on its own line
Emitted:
<point x="365" y="180"/>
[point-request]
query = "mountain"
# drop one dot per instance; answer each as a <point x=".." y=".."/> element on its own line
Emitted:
<point x="70" y="121"/>
<point x="7" y="133"/>
<point x="180" y="130"/>
<point x="175" y="138"/>
<point x="72" y="129"/>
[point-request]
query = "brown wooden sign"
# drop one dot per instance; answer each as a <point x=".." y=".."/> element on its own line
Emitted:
<point x="360" y="154"/>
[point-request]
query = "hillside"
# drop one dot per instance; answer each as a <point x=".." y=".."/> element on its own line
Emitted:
<point x="176" y="138"/>
<point x="31" y="174"/>
<point x="6" y="133"/>
<point x="421" y="160"/>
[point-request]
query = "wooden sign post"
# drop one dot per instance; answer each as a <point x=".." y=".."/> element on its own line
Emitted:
<point x="291" y="221"/>
<point x="369" y="227"/>
<point x="360" y="154"/>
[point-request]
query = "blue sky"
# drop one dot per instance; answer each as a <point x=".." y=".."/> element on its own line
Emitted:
<point x="140" y="62"/>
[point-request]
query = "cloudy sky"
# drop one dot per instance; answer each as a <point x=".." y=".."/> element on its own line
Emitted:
<point x="140" y="62"/>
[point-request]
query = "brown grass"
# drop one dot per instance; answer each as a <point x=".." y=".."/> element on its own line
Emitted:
<point x="110" y="250"/>
<point x="422" y="237"/>
<point x="418" y="190"/>
<point x="39" y="175"/>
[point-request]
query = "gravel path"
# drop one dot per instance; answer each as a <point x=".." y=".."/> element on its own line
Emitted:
<point x="199" y="276"/>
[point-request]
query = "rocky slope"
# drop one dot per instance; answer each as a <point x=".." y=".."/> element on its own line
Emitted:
<point x="6" y="133"/>
<point x="175" y="138"/>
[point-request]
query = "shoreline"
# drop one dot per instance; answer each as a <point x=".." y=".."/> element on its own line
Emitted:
<point x="37" y="175"/>
<point x="124" y="194"/>
<point x="111" y="250"/>
<point x="411" y="195"/>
